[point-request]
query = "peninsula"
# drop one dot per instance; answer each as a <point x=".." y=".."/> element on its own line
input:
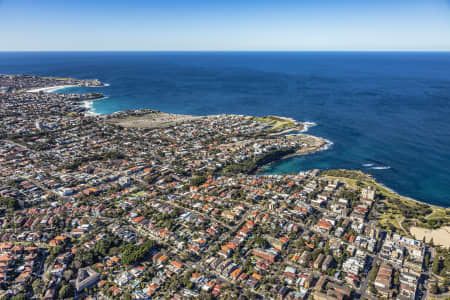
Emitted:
<point x="149" y="205"/>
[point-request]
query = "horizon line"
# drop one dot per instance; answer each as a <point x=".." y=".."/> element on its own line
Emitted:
<point x="261" y="50"/>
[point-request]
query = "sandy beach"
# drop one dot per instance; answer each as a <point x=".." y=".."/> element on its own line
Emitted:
<point x="50" y="89"/>
<point x="441" y="236"/>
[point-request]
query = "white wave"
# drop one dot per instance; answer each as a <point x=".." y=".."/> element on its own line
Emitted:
<point x="97" y="86"/>
<point x="307" y="125"/>
<point x="367" y="165"/>
<point x="381" y="168"/>
<point x="89" y="105"/>
<point x="326" y="146"/>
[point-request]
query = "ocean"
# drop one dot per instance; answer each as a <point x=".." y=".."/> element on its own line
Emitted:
<point x="387" y="113"/>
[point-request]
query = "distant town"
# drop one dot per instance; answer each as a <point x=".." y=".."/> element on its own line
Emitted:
<point x="148" y="205"/>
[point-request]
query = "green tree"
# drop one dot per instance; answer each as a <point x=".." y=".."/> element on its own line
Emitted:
<point x="37" y="286"/>
<point x="198" y="180"/>
<point x="20" y="296"/>
<point x="132" y="253"/>
<point x="372" y="289"/>
<point x="331" y="272"/>
<point x="434" y="288"/>
<point x="436" y="264"/>
<point x="127" y="297"/>
<point x="83" y="258"/>
<point x="396" y="278"/>
<point x="373" y="273"/>
<point x="261" y="242"/>
<point x="426" y="260"/>
<point x="65" y="291"/>
<point x="10" y="202"/>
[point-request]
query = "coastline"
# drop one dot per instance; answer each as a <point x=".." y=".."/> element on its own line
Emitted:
<point x="52" y="89"/>
<point x="319" y="144"/>
<point x="290" y="129"/>
<point x="204" y="190"/>
<point x="89" y="106"/>
<point x="327" y="145"/>
<point x="307" y="125"/>
<point x="441" y="234"/>
<point x="310" y="143"/>
<point x="395" y="204"/>
<point x="299" y="128"/>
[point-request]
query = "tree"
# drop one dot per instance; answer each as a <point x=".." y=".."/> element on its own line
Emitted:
<point x="83" y="258"/>
<point x="261" y="242"/>
<point x="10" y="202"/>
<point x="427" y="260"/>
<point x="396" y="278"/>
<point x="436" y="265"/>
<point x="434" y="288"/>
<point x="446" y="284"/>
<point x="372" y="289"/>
<point x="132" y="253"/>
<point x="103" y="247"/>
<point x="65" y="291"/>
<point x="19" y="297"/>
<point x="331" y="271"/>
<point x="127" y="297"/>
<point x="37" y="286"/>
<point x="373" y="273"/>
<point x="198" y="180"/>
<point x="189" y="285"/>
<point x="206" y="296"/>
<point x="445" y="269"/>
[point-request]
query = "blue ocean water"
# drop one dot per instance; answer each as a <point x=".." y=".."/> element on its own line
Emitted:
<point x="386" y="113"/>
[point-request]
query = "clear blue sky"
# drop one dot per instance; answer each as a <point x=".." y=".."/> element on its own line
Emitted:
<point x="225" y="25"/>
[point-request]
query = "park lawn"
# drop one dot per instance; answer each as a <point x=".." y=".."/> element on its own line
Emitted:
<point x="393" y="203"/>
<point x="277" y="123"/>
<point x="438" y="213"/>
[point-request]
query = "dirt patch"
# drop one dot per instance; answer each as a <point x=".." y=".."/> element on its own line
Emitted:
<point x="441" y="236"/>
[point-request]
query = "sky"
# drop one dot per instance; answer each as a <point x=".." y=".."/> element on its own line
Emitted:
<point x="229" y="25"/>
